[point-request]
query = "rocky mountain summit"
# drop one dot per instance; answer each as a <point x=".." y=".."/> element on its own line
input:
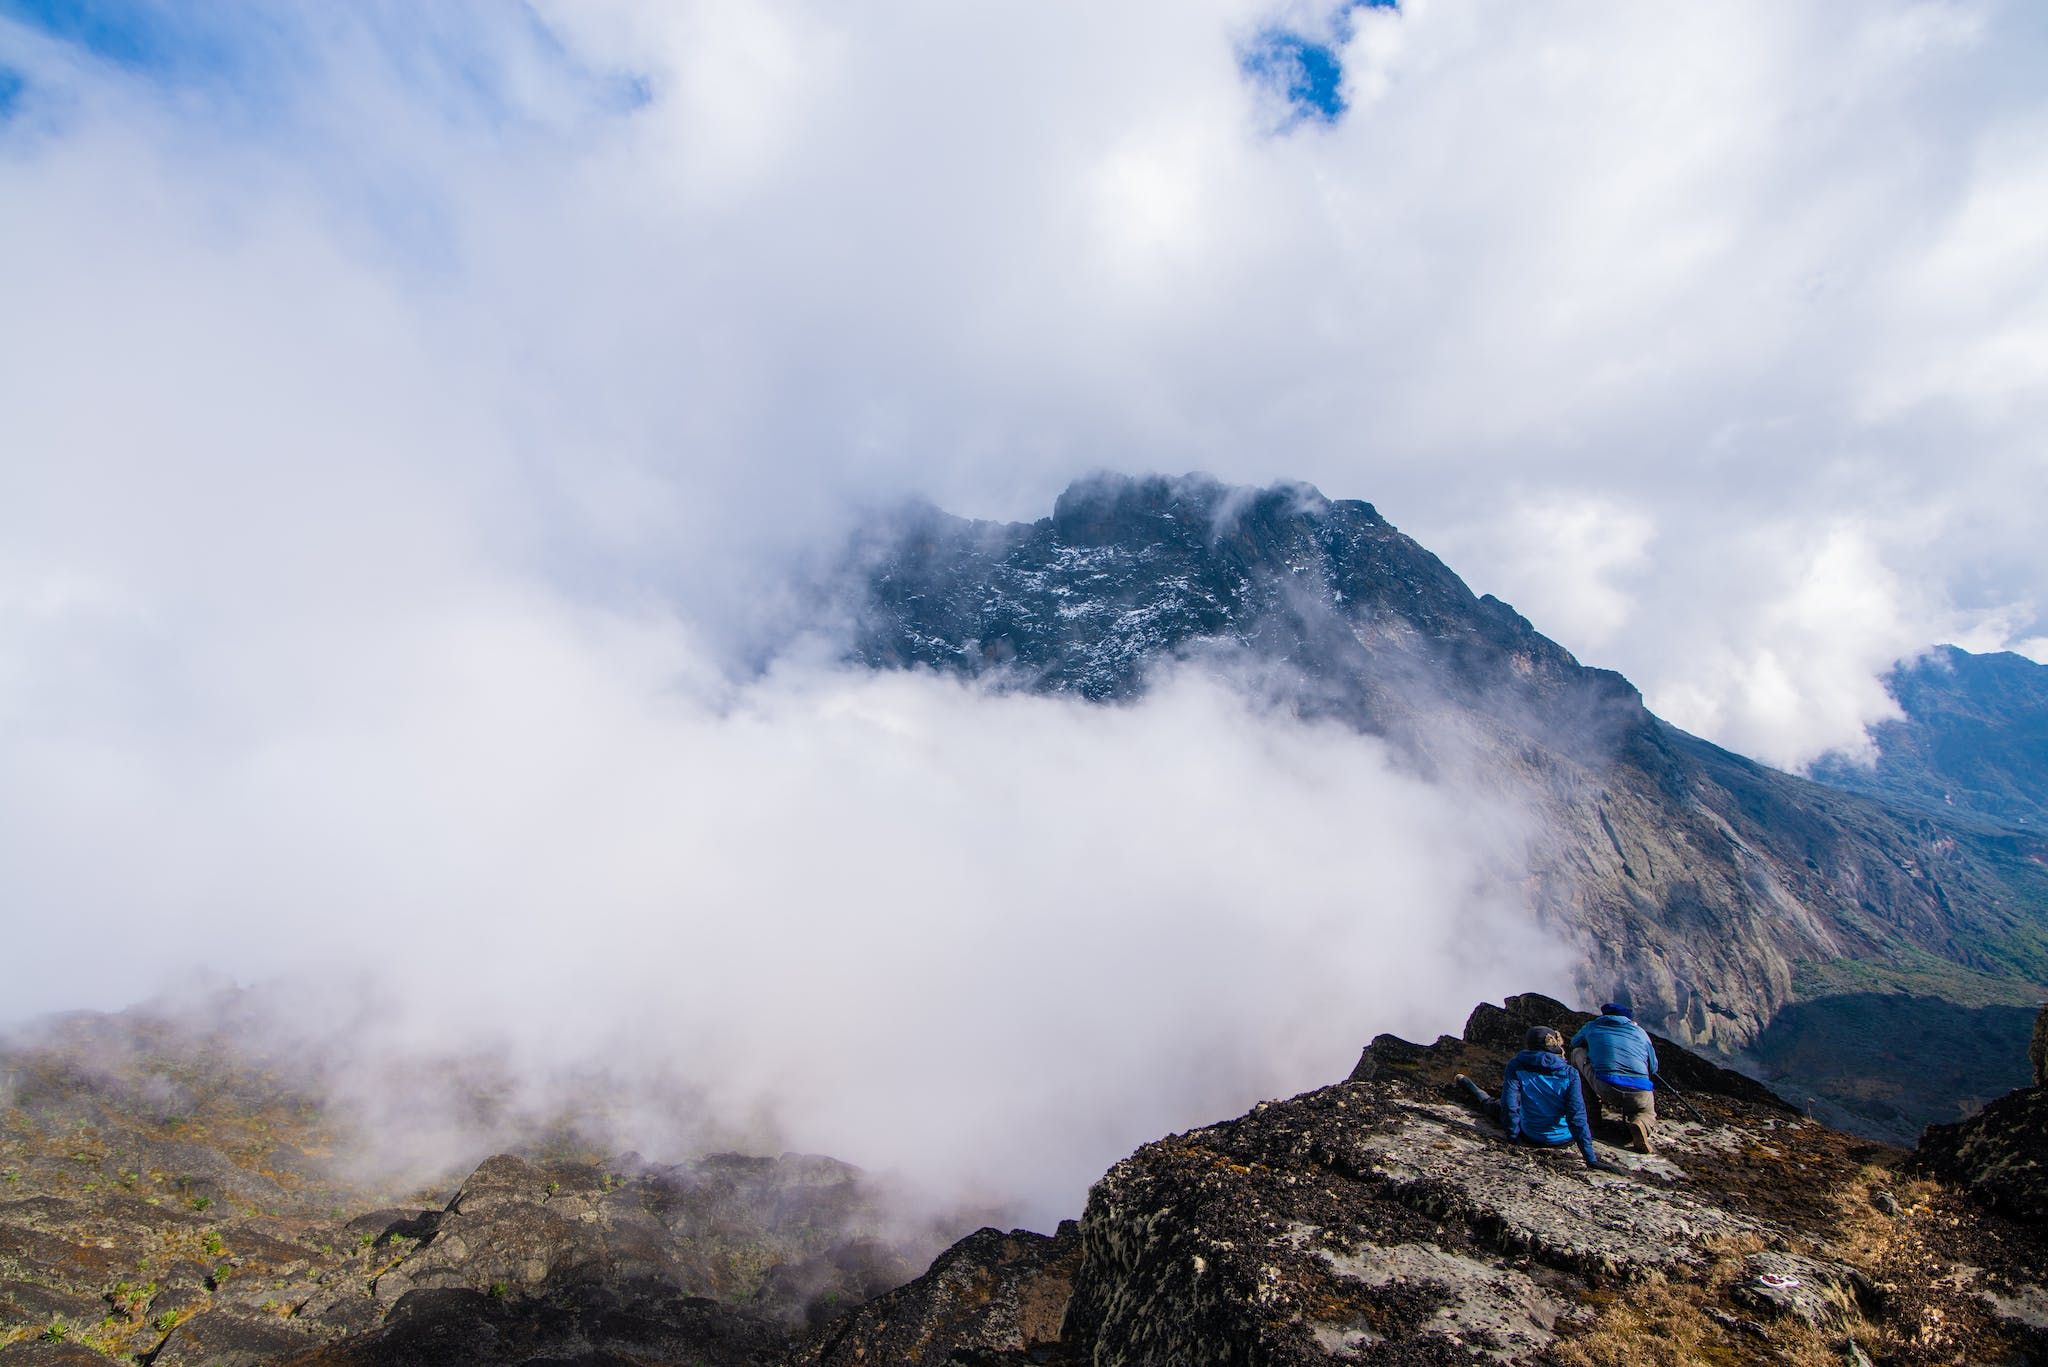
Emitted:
<point x="1714" y="890"/>
<point x="1376" y="1220"/>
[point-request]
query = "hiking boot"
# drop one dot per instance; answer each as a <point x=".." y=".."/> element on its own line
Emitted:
<point x="1639" y="1137"/>
<point x="1469" y="1089"/>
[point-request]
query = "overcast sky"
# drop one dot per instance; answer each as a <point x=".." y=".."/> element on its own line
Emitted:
<point x="382" y="385"/>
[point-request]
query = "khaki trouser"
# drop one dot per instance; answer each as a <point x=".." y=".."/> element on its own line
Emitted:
<point x="1629" y="1106"/>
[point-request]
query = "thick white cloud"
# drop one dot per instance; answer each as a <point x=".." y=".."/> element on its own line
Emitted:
<point x="409" y="414"/>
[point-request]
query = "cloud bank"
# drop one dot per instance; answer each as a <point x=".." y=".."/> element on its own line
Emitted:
<point x="1652" y="320"/>
<point x="987" y="943"/>
<point x="412" y="413"/>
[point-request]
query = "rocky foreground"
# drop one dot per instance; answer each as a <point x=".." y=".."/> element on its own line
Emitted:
<point x="1373" y="1221"/>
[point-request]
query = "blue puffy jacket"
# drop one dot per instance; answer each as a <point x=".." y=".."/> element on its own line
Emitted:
<point x="1539" y="1096"/>
<point x="1620" y="1052"/>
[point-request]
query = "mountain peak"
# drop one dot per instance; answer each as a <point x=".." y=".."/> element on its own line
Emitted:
<point x="1715" y="890"/>
<point x="1095" y="507"/>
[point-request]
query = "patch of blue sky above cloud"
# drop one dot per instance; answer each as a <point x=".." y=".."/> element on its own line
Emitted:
<point x="1304" y="67"/>
<point x="390" y="372"/>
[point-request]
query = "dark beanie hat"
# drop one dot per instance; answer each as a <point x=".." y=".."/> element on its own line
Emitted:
<point x="1543" y="1038"/>
<point x="1617" y="1009"/>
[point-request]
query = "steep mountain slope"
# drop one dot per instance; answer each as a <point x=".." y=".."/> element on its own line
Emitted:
<point x="1974" y="739"/>
<point x="1714" y="890"/>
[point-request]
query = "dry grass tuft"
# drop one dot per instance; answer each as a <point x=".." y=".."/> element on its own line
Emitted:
<point x="1666" y="1323"/>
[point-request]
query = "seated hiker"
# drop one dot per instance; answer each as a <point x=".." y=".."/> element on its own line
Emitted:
<point x="1616" y="1058"/>
<point x="1539" y="1097"/>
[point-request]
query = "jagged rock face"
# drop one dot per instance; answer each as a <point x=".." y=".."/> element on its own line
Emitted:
<point x="992" y="1293"/>
<point x="1709" y="888"/>
<point x="712" y="1262"/>
<point x="1379" y="1221"/>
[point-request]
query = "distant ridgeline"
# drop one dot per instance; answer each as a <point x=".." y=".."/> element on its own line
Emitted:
<point x="1974" y="739"/>
<point x="1717" y="891"/>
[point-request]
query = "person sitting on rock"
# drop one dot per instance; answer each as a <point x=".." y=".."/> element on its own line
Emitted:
<point x="1539" y="1097"/>
<point x="1619" y="1063"/>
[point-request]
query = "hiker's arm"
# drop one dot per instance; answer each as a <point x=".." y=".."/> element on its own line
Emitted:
<point x="1575" y="1117"/>
<point x="1651" y="1050"/>
<point x="1511" y="1104"/>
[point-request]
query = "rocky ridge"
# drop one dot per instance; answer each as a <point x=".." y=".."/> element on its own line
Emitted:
<point x="1376" y="1220"/>
<point x="1380" y="1221"/>
<point x="1714" y="890"/>
<point x="170" y="1201"/>
<point x="1971" y="738"/>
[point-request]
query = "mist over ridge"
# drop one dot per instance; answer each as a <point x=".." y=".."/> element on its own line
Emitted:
<point x="903" y="920"/>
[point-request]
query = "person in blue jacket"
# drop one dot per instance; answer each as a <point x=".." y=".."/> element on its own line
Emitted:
<point x="1539" y="1097"/>
<point x="1619" y="1063"/>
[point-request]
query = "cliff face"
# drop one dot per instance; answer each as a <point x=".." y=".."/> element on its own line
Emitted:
<point x="1712" y="889"/>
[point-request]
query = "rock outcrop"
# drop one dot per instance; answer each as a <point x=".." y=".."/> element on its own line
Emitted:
<point x="174" y="1205"/>
<point x="991" y="1294"/>
<point x="1381" y="1221"/>
<point x="2000" y="1154"/>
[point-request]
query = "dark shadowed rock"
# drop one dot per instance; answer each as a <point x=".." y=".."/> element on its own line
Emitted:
<point x="990" y="1293"/>
<point x="35" y="1353"/>
<point x="2000" y="1155"/>
<point x="2037" y="1052"/>
<point x="582" y="1322"/>
<point x="32" y="1303"/>
<point x="229" y="1338"/>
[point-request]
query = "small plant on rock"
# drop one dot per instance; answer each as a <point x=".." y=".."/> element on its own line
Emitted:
<point x="213" y="1243"/>
<point x="202" y="1203"/>
<point x="57" y="1332"/>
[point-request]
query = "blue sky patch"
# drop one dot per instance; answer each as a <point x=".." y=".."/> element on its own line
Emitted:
<point x="1308" y="74"/>
<point x="254" y="59"/>
<point x="1306" y="71"/>
<point x="11" y="86"/>
<point x="141" y="35"/>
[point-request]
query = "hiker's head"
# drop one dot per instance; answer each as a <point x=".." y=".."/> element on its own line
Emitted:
<point x="1543" y="1039"/>
<point x="1617" y="1009"/>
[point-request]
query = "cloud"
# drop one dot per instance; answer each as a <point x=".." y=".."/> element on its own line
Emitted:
<point x="989" y="943"/>
<point x="414" y="411"/>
